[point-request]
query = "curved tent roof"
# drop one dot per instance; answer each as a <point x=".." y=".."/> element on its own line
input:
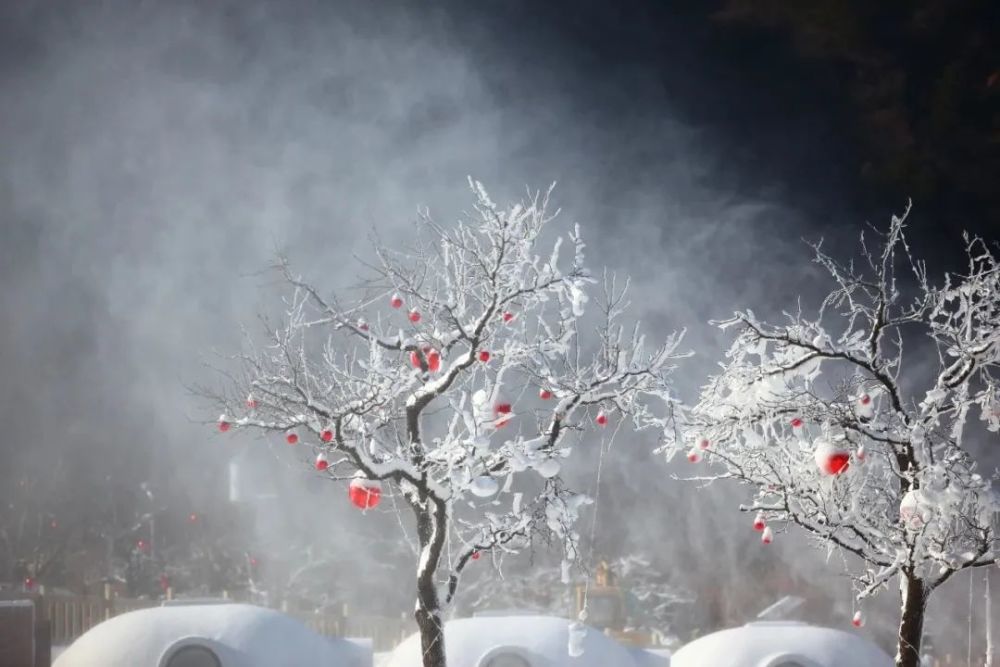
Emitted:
<point x="524" y="641"/>
<point x="238" y="635"/>
<point x="781" y="644"/>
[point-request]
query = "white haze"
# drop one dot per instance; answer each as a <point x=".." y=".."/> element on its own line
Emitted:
<point x="156" y="157"/>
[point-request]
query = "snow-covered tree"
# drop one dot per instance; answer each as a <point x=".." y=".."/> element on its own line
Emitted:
<point x="865" y="448"/>
<point x="456" y="375"/>
<point x="538" y="588"/>
<point x="651" y="598"/>
<point x="655" y="599"/>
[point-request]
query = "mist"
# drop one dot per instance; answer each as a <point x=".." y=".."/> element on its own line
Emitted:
<point x="157" y="157"/>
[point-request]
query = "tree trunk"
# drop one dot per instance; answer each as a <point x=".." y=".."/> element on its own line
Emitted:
<point x="431" y="533"/>
<point x="431" y="638"/>
<point x="911" y="624"/>
<point x="988" y="662"/>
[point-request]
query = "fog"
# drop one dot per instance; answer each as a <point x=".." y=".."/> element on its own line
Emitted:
<point x="158" y="156"/>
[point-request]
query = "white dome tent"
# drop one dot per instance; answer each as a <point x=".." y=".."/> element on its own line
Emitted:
<point x="523" y="641"/>
<point x="210" y="635"/>
<point x="781" y="644"/>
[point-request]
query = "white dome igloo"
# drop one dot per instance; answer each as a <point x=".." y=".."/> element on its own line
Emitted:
<point x="520" y="641"/>
<point x="238" y="635"/>
<point x="781" y="643"/>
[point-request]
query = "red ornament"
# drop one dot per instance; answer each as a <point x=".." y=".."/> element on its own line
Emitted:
<point x="321" y="462"/>
<point x="508" y="316"/>
<point x="758" y="522"/>
<point x="475" y="555"/>
<point x="858" y="620"/>
<point x="396" y="301"/>
<point x="831" y="460"/>
<point x="484" y="356"/>
<point x="292" y="438"/>
<point x="433" y="361"/>
<point x="503" y="414"/>
<point x="544" y="394"/>
<point x="837" y="463"/>
<point x="601" y="419"/>
<point x="432" y="357"/>
<point x="414" y="315"/>
<point x="364" y="493"/>
<point x="326" y="435"/>
<point x="767" y="535"/>
<point x="251" y="402"/>
<point x="192" y="517"/>
<point x="865" y="407"/>
<point x="797" y="423"/>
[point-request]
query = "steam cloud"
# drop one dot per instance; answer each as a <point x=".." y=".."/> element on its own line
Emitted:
<point x="156" y="157"/>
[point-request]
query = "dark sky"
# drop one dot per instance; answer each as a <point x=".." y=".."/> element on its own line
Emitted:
<point x="155" y="156"/>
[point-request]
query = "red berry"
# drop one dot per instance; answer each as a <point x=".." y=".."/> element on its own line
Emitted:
<point x="224" y="426"/>
<point x="321" y="463"/>
<point x="396" y="301"/>
<point x="796" y="423"/>
<point x="544" y="394"/>
<point x="292" y="438"/>
<point x="601" y="419"/>
<point x="484" y="356"/>
<point x="414" y="315"/>
<point x="251" y="402"/>
<point x="508" y="316"/>
<point x="866" y="399"/>
<point x="704" y="443"/>
<point x="326" y="436"/>
<point x="475" y="555"/>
